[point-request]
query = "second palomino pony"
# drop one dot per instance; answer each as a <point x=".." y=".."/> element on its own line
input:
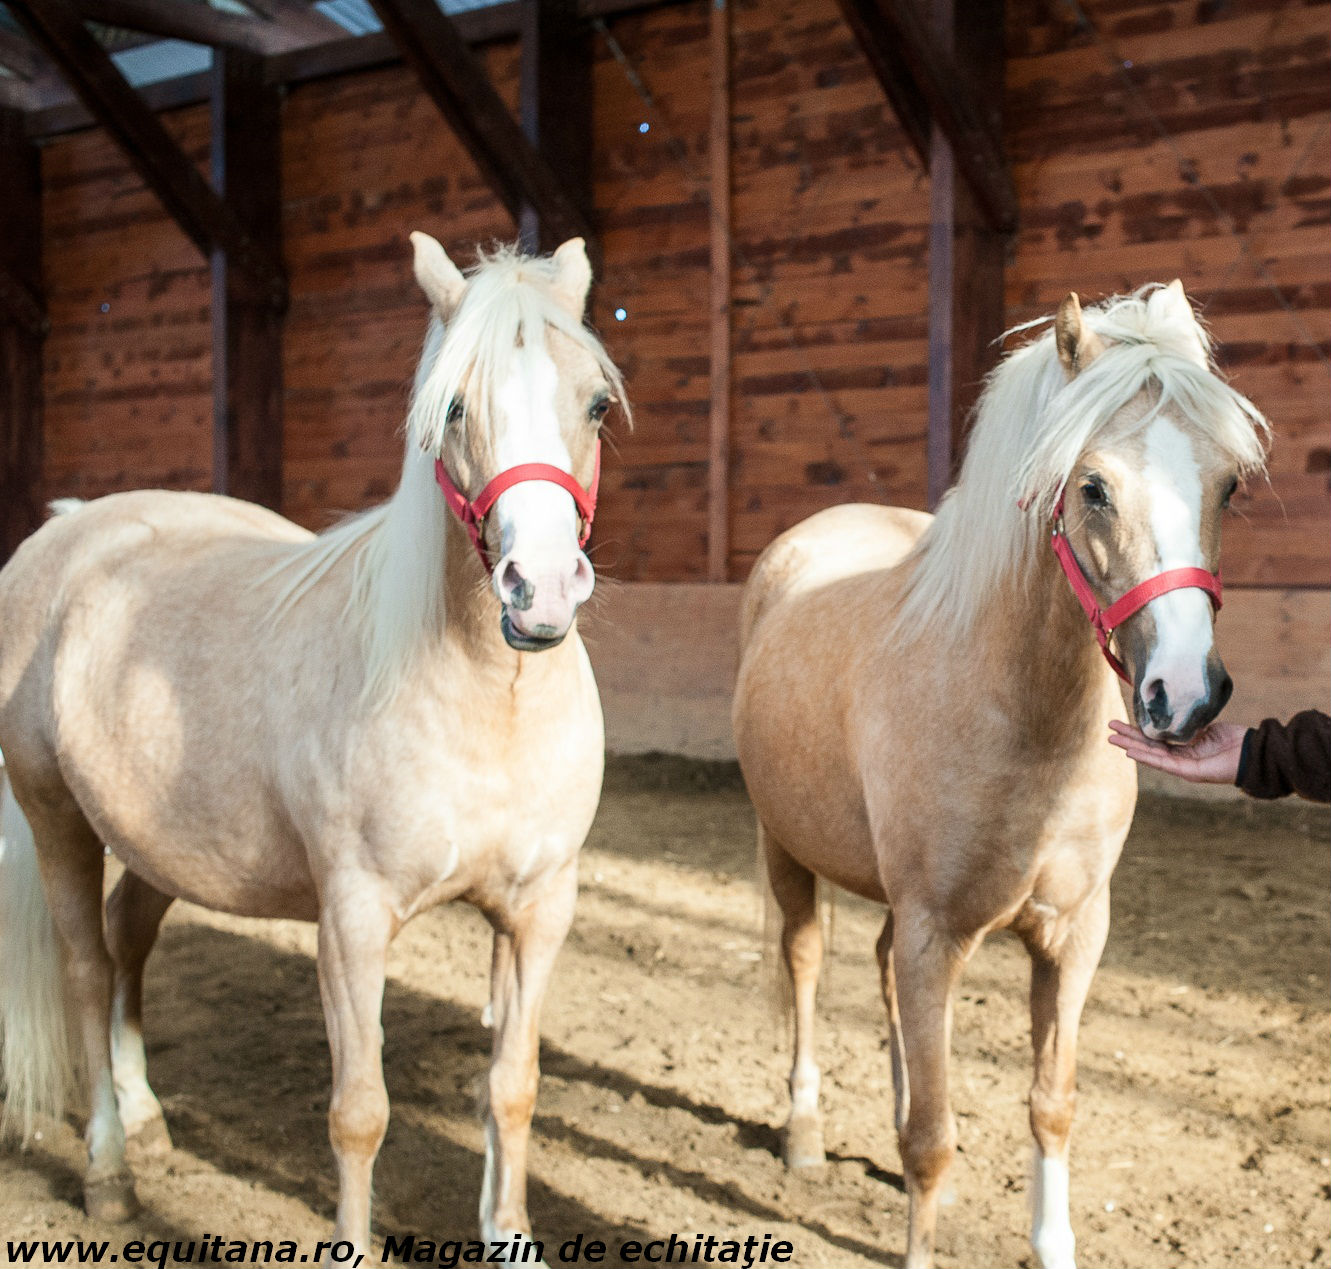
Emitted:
<point x="348" y="729"/>
<point x="921" y="712"/>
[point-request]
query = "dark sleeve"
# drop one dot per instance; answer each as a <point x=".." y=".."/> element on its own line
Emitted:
<point x="1291" y="758"/>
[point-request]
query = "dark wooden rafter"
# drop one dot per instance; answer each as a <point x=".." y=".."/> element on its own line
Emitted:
<point x="22" y="328"/>
<point x="456" y="81"/>
<point x="199" y="23"/>
<point x="555" y="108"/>
<point x="247" y="327"/>
<point x="916" y="69"/>
<point x="55" y="25"/>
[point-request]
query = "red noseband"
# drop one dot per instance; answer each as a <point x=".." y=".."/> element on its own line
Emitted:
<point x="473" y="513"/>
<point x="1105" y="621"/>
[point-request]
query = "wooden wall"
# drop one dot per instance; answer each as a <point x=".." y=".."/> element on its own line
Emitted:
<point x="830" y="213"/>
<point x="1191" y="140"/>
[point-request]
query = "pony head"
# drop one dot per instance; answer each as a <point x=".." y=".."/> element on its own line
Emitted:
<point x="1119" y="411"/>
<point x="1161" y="444"/>
<point x="511" y="376"/>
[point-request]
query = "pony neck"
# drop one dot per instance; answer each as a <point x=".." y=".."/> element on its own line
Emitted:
<point x="1040" y="650"/>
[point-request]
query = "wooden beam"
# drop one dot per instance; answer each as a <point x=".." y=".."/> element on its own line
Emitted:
<point x="555" y="108"/>
<point x="892" y="71"/>
<point x="21" y="334"/>
<point x="457" y="83"/>
<point x="56" y="26"/>
<point x="20" y="56"/>
<point x="247" y="328"/>
<point x="199" y="23"/>
<point x="966" y="252"/>
<point x="718" y="446"/>
<point x="901" y="39"/>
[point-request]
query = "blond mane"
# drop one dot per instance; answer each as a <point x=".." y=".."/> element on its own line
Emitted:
<point x="1031" y="426"/>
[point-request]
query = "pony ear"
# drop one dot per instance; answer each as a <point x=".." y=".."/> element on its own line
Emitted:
<point x="1078" y="345"/>
<point x="573" y="276"/>
<point x="439" y="277"/>
<point x="1179" y="307"/>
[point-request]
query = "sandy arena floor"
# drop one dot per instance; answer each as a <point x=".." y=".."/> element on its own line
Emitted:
<point x="1203" y="1136"/>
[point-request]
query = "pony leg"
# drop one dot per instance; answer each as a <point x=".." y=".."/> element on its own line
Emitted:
<point x="134" y="913"/>
<point x="888" y="975"/>
<point x="524" y="956"/>
<point x="1060" y="980"/>
<point x="356" y="923"/>
<point x="795" y="889"/>
<point x="71" y="860"/>
<point x="928" y="962"/>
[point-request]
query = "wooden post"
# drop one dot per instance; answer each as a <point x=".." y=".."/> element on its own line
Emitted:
<point x="22" y="330"/>
<point x="555" y="110"/>
<point x="966" y="249"/>
<point x="718" y="451"/>
<point x="246" y="322"/>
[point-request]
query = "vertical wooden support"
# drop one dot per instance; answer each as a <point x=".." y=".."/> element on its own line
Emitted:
<point x="555" y="109"/>
<point x="966" y="253"/>
<point x="247" y="317"/>
<point x="718" y="451"/>
<point x="22" y="330"/>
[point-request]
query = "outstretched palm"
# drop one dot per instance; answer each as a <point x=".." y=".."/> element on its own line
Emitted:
<point x="1210" y="757"/>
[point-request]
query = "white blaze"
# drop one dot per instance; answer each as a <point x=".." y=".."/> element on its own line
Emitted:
<point x="537" y="520"/>
<point x="1183" y="618"/>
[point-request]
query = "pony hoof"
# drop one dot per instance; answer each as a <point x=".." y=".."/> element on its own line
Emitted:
<point x="151" y="1140"/>
<point x="804" y="1144"/>
<point x="112" y="1200"/>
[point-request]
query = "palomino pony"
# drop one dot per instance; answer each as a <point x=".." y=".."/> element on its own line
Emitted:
<point x="346" y="729"/>
<point x="921" y="712"/>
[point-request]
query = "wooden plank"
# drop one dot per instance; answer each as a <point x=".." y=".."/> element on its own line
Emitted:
<point x="247" y="327"/>
<point x="687" y="636"/>
<point x="457" y="84"/>
<point x="555" y="110"/>
<point x="56" y="26"/>
<point x="718" y="450"/>
<point x="21" y="339"/>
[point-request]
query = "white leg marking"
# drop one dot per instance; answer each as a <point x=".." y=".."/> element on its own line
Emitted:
<point x="1051" y="1230"/>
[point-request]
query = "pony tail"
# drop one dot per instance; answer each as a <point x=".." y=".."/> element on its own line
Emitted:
<point x="34" y="1034"/>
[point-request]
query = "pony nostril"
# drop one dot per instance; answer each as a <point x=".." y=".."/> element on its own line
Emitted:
<point x="1224" y="692"/>
<point x="518" y="590"/>
<point x="1157" y="703"/>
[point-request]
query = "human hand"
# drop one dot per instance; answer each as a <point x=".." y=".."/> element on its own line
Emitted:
<point x="1210" y="757"/>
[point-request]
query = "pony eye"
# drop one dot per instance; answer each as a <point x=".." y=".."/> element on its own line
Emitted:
<point x="1093" y="491"/>
<point x="454" y="410"/>
<point x="599" y="409"/>
<point x="1231" y="490"/>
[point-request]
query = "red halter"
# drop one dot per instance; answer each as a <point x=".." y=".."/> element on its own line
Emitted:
<point x="1104" y="621"/>
<point x="473" y="513"/>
